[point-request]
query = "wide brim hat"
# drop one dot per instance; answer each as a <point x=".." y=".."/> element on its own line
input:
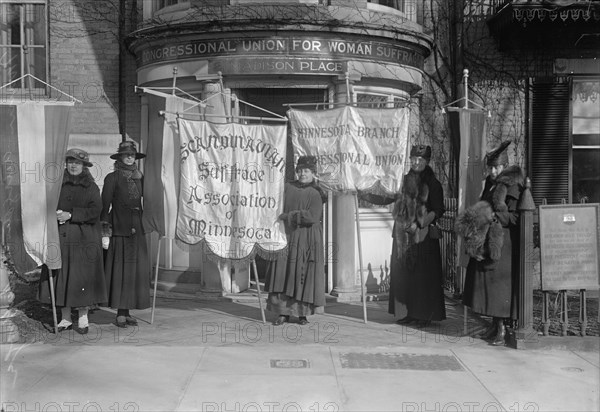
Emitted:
<point x="127" y="147"/>
<point x="421" y="151"/>
<point x="79" y="154"/>
<point x="498" y="156"/>
<point x="307" y="162"/>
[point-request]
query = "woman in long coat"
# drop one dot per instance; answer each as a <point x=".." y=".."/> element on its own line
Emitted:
<point x="491" y="283"/>
<point x="79" y="283"/>
<point x="127" y="267"/>
<point x="416" y="277"/>
<point x="296" y="282"/>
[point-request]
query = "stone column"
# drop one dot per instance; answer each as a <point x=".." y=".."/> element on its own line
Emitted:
<point x="344" y="237"/>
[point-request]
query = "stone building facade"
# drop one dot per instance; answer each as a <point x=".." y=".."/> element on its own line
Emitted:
<point x="539" y="93"/>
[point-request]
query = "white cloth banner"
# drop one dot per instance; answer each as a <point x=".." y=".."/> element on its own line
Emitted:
<point x="231" y="187"/>
<point x="356" y="148"/>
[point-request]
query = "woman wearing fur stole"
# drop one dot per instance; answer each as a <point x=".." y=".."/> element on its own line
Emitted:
<point x="492" y="272"/>
<point x="416" y="279"/>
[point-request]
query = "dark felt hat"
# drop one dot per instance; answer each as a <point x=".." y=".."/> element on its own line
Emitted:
<point x="80" y="155"/>
<point x="421" y="151"/>
<point x="127" y="147"/>
<point x="307" y="162"/>
<point x="498" y="156"/>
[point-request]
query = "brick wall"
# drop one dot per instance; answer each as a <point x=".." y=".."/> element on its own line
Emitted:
<point x="84" y="60"/>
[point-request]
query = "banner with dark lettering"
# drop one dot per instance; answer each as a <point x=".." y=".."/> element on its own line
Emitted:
<point x="356" y="148"/>
<point x="231" y="187"/>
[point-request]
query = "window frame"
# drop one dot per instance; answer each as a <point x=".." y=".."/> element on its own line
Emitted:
<point x="578" y="148"/>
<point x="27" y="86"/>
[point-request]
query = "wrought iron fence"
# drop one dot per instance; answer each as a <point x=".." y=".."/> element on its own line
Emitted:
<point x="452" y="283"/>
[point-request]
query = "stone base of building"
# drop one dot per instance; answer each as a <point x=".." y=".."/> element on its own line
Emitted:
<point x="354" y="296"/>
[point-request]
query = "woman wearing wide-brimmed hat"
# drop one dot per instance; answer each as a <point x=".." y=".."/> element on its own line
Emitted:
<point x="127" y="268"/>
<point x="79" y="283"/>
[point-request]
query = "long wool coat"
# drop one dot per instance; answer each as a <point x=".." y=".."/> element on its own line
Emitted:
<point x="127" y="265"/>
<point x="416" y="277"/>
<point x="80" y="281"/>
<point x="491" y="285"/>
<point x="301" y="274"/>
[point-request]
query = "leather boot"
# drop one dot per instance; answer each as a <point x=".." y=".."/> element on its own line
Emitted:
<point x="499" y="339"/>
<point x="489" y="333"/>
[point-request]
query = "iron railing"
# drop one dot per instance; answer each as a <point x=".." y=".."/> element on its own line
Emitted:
<point x="452" y="282"/>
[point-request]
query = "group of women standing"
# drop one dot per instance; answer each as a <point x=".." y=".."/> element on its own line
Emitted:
<point x="119" y="278"/>
<point x="296" y="280"/>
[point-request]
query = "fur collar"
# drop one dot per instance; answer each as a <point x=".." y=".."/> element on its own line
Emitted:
<point x="84" y="179"/>
<point x="425" y="176"/>
<point x="512" y="175"/>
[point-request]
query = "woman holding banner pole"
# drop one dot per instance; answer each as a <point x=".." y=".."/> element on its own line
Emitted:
<point x="296" y="282"/>
<point x="127" y="268"/>
<point x="79" y="283"/>
<point x="416" y="277"/>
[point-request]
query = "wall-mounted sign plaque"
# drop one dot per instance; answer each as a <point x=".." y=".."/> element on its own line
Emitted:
<point x="569" y="246"/>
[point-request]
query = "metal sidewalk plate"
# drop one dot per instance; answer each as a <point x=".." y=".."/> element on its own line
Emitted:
<point x="356" y="360"/>
<point x="290" y="363"/>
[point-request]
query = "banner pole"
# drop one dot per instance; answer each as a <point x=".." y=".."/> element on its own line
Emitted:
<point x="360" y="260"/>
<point x="466" y="87"/>
<point x="174" y="80"/>
<point x="348" y="96"/>
<point x="155" y="280"/>
<point x="53" y="299"/>
<point x="262" y="311"/>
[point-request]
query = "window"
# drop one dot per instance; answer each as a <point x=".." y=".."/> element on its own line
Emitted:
<point x="379" y="100"/>
<point x="585" y="97"/>
<point x="165" y="3"/>
<point x="565" y="140"/>
<point x="23" y="42"/>
<point x="395" y="4"/>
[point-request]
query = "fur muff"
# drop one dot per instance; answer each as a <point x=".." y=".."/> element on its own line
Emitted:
<point x="483" y="235"/>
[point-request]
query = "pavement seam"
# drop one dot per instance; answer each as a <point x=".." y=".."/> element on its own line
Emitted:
<point x="586" y="360"/>
<point x="477" y="379"/>
<point x="340" y="387"/>
<point x="189" y="380"/>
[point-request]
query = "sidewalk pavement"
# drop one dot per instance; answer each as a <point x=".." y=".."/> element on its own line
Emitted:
<point x="219" y="356"/>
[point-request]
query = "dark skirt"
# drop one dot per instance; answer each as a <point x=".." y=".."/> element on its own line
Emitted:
<point x="282" y="304"/>
<point x="490" y="287"/>
<point x="76" y="284"/>
<point x="127" y="271"/>
<point x="417" y="282"/>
